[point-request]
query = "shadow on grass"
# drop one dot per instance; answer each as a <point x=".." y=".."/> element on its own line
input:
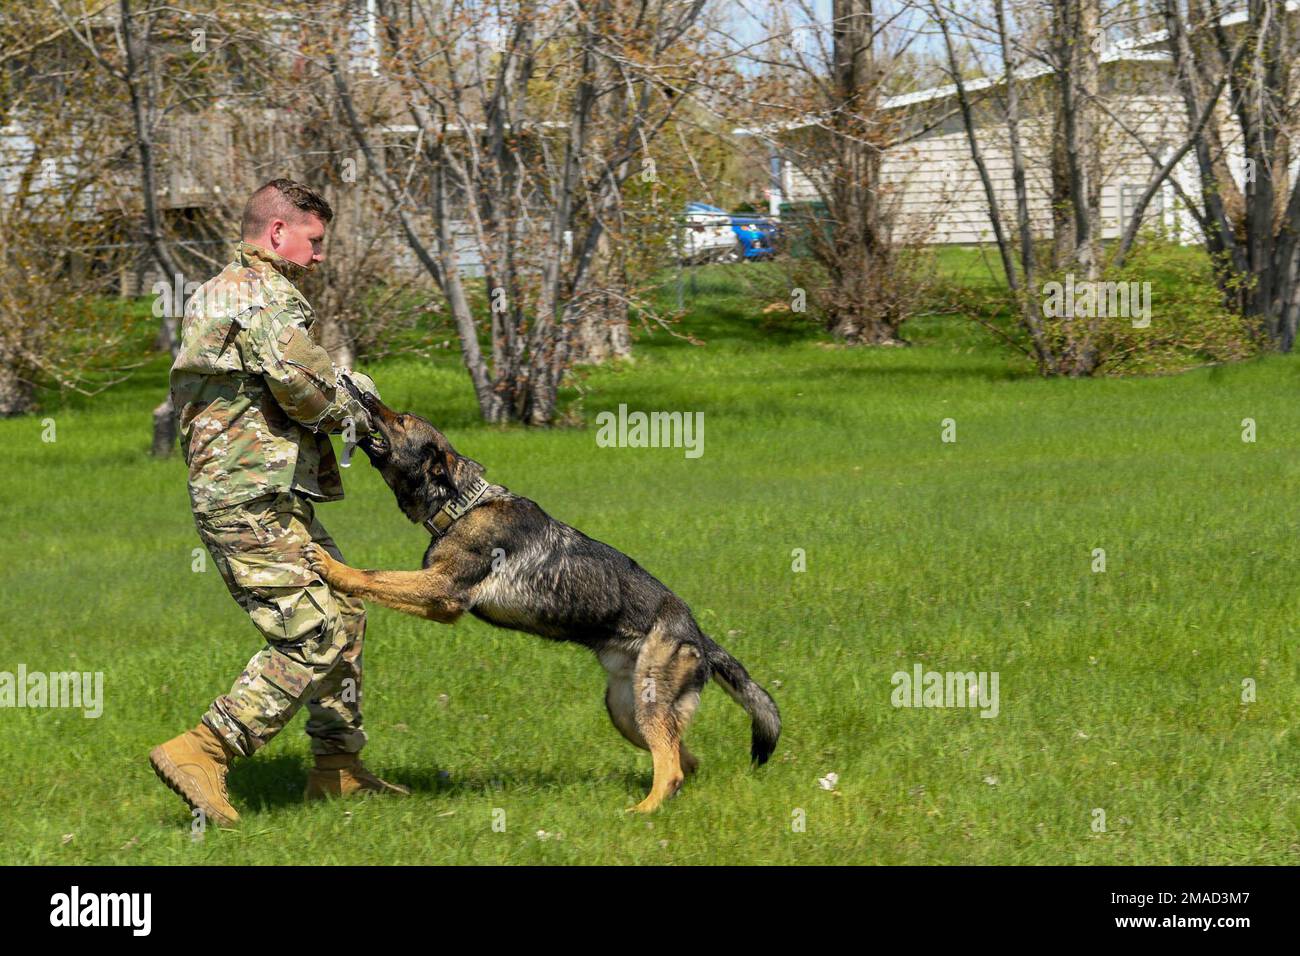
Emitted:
<point x="268" y="783"/>
<point x="713" y="323"/>
<point x="504" y="780"/>
<point x="991" y="371"/>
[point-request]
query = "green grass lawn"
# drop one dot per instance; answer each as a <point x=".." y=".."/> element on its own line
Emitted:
<point x="1119" y="691"/>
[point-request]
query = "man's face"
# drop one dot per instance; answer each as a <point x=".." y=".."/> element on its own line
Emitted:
<point x="300" y="240"/>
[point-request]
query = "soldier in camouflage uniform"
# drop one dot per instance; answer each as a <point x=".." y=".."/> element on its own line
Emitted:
<point x="257" y="399"/>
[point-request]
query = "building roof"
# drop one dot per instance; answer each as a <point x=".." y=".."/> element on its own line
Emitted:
<point x="1132" y="49"/>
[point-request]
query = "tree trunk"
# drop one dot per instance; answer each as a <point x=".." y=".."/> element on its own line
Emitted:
<point x="1028" y="306"/>
<point x="333" y="338"/>
<point x="601" y="323"/>
<point x="168" y="336"/>
<point x="138" y="78"/>
<point x="858" y="254"/>
<point x="600" y="330"/>
<point x="1088" y="142"/>
<point x="1062" y="211"/>
<point x="16" y="396"/>
<point x="1256" y="251"/>
<point x="1078" y="26"/>
<point x="165" y="427"/>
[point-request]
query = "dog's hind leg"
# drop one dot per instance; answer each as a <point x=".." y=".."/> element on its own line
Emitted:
<point x="620" y="695"/>
<point x="620" y="703"/>
<point x="668" y="678"/>
<point x="690" y="762"/>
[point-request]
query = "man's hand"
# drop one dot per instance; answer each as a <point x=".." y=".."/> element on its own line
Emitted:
<point x="358" y="384"/>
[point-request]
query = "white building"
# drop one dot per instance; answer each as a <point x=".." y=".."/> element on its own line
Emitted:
<point x="932" y="182"/>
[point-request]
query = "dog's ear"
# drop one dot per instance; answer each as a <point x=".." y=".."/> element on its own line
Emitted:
<point x="441" y="464"/>
<point x="464" y="470"/>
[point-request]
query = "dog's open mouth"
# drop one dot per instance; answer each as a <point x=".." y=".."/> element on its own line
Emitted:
<point x="373" y="444"/>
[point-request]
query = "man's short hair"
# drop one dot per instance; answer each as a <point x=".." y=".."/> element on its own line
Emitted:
<point x="282" y="199"/>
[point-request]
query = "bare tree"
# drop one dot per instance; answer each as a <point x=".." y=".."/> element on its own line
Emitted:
<point x="527" y="129"/>
<point x="820" y="106"/>
<point x="1074" y="53"/>
<point x="138" y="74"/>
<point x="62" y="131"/>
<point x="1021" y="284"/>
<point x="218" y="99"/>
<point x="132" y="65"/>
<point x="1252" y="228"/>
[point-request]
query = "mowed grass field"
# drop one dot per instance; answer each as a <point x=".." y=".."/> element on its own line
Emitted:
<point x="1120" y="691"/>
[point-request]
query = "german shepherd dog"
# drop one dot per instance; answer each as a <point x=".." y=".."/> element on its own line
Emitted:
<point x="503" y="559"/>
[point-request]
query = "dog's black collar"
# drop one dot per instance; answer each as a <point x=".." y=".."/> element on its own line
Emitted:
<point x="455" y="508"/>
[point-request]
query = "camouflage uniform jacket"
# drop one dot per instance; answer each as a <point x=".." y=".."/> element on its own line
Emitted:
<point x="257" y="396"/>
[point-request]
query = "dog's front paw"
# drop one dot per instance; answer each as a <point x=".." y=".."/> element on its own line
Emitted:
<point x="320" y="561"/>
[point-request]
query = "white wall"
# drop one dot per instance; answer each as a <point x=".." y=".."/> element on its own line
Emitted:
<point x="937" y="188"/>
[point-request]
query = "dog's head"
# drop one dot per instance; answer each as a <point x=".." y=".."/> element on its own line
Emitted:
<point x="416" y="459"/>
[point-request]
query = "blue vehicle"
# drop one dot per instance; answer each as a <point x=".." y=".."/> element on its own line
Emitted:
<point x="751" y="237"/>
<point x="758" y="236"/>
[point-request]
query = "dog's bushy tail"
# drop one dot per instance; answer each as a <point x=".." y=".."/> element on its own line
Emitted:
<point x="735" y="680"/>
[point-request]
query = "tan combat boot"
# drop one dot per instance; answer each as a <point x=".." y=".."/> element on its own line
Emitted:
<point x="194" y="765"/>
<point x="341" y="775"/>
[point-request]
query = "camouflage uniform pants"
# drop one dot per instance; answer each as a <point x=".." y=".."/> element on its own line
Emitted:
<point x="313" y="634"/>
